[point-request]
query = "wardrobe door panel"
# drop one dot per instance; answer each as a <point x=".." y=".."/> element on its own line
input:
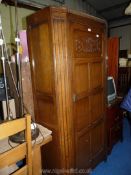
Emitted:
<point x="83" y="151"/>
<point x="96" y="102"/>
<point x="41" y="62"/>
<point x="82" y="114"/>
<point x="97" y="139"/>
<point x="46" y="113"/>
<point x="81" y="78"/>
<point x="96" y="75"/>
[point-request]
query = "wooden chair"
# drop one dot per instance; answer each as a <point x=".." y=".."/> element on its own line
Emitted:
<point x="21" y="151"/>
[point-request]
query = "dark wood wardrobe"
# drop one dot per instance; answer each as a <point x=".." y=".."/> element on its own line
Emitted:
<point x="67" y="56"/>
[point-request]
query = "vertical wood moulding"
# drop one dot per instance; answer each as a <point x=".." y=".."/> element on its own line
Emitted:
<point x="104" y="53"/>
<point x="62" y="80"/>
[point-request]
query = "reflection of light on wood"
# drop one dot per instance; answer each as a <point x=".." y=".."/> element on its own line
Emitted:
<point x="97" y="35"/>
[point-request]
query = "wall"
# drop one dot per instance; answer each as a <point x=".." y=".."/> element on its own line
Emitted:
<point x="8" y="20"/>
<point x="124" y="32"/>
<point x="81" y="5"/>
<point x="122" y="29"/>
<point x="8" y="15"/>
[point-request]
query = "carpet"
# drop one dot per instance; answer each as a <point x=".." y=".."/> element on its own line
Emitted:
<point x="119" y="161"/>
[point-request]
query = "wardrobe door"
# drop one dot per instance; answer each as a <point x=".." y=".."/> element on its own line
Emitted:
<point x="88" y="89"/>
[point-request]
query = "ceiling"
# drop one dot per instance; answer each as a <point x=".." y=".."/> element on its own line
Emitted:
<point x="109" y="9"/>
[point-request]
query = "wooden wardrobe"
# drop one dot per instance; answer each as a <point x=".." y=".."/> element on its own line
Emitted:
<point x="67" y="55"/>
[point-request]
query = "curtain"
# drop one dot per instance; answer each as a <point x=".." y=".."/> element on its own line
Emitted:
<point x="113" y="56"/>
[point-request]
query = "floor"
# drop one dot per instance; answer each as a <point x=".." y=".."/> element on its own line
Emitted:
<point x="119" y="161"/>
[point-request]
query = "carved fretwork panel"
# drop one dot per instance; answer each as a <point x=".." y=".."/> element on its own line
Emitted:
<point x="87" y="44"/>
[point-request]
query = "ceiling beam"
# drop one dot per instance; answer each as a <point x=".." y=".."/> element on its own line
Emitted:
<point x="114" y="7"/>
<point x="31" y="4"/>
<point x="119" y="18"/>
<point x="22" y="5"/>
<point x="121" y="25"/>
<point x="88" y="3"/>
<point x="60" y="1"/>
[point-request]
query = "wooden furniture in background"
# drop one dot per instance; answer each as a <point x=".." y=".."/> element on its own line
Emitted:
<point x="113" y="57"/>
<point x="114" y="123"/>
<point x="67" y="52"/>
<point x="21" y="151"/>
<point x="124" y="80"/>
